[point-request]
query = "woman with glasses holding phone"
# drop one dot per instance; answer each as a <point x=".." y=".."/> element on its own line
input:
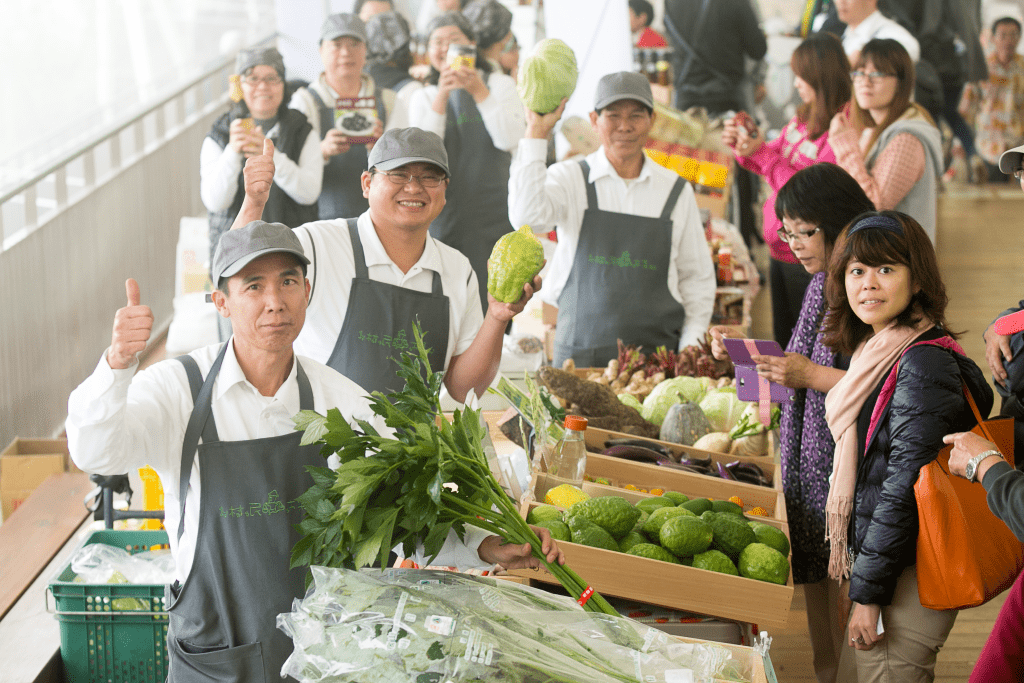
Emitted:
<point x="823" y="83"/>
<point x="885" y="141"/>
<point x="812" y="208"/>
<point x="237" y="135"/>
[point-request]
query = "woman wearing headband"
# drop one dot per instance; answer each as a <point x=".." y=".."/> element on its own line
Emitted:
<point x="888" y="415"/>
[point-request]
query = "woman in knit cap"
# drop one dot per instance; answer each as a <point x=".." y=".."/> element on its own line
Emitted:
<point x="388" y="60"/>
<point x="492" y="22"/>
<point x="239" y="134"/>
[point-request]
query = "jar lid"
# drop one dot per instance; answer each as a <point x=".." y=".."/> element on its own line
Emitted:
<point x="575" y="423"/>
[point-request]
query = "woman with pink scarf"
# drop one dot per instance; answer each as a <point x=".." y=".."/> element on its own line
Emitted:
<point x="888" y="415"/>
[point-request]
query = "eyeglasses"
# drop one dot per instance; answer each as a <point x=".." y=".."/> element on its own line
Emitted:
<point x="268" y="80"/>
<point x="404" y="178"/>
<point x="510" y="45"/>
<point x="872" y="76"/>
<point x="1018" y="173"/>
<point x="801" y="237"/>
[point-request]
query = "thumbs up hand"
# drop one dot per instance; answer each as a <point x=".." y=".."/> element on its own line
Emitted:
<point x="259" y="174"/>
<point x="132" y="326"/>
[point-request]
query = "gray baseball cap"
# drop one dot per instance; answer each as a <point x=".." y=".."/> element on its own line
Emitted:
<point x="401" y="146"/>
<point x="237" y="248"/>
<point x="623" y="85"/>
<point x="387" y="34"/>
<point x="266" y="56"/>
<point x="342" y="24"/>
<point x="1010" y="160"/>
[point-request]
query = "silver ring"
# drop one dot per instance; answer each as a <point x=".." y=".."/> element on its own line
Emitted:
<point x="860" y="640"/>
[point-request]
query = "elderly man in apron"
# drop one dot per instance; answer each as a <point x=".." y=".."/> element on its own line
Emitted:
<point x="372" y="276"/>
<point x="216" y="426"/>
<point x="631" y="262"/>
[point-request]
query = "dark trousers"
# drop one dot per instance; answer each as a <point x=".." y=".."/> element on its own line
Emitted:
<point x="788" y="282"/>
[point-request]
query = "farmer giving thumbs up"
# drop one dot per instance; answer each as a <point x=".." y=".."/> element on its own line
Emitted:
<point x="132" y="327"/>
<point x="258" y="177"/>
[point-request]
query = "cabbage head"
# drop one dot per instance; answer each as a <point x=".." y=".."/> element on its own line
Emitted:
<point x="670" y="392"/>
<point x="722" y="408"/>
<point x="547" y="75"/>
<point x="631" y="401"/>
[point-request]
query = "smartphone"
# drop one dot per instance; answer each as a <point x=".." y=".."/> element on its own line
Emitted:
<point x="744" y="119"/>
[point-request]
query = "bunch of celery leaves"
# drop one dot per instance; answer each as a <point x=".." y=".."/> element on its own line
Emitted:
<point x="409" y="490"/>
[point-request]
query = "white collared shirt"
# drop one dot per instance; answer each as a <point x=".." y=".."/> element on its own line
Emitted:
<point x="502" y="111"/>
<point x="557" y="196"/>
<point x="119" y="421"/>
<point x="332" y="283"/>
<point x="877" y="25"/>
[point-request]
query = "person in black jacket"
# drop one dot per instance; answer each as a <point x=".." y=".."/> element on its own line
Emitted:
<point x="901" y="395"/>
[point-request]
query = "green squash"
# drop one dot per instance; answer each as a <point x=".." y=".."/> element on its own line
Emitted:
<point x="516" y="259"/>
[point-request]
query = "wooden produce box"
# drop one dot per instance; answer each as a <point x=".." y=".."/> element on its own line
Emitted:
<point x="762" y="670"/>
<point x="665" y="584"/>
<point x="769" y="464"/>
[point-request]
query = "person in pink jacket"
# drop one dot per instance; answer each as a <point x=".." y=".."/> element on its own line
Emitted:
<point x="823" y="83"/>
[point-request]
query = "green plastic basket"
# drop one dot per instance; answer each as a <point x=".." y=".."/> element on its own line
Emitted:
<point x="98" y="641"/>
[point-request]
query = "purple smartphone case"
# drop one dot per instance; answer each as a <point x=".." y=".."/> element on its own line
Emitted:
<point x="746" y="370"/>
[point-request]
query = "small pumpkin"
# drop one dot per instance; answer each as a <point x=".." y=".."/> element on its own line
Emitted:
<point x="684" y="424"/>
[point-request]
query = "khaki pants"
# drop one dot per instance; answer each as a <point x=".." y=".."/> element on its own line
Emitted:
<point x="913" y="636"/>
<point x="826" y="625"/>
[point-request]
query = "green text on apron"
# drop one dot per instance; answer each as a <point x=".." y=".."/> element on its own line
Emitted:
<point x="378" y="326"/>
<point x="620" y="258"/>
<point x="223" y="620"/>
<point x="475" y="214"/>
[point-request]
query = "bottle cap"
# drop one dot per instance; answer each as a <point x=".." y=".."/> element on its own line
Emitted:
<point x="575" y="423"/>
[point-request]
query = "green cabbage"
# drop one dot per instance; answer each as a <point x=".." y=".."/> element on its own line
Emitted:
<point x="631" y="401"/>
<point x="547" y="75"/>
<point x="722" y="408"/>
<point x="670" y="392"/>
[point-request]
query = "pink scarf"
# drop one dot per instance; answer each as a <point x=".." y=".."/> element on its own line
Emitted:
<point x="872" y="361"/>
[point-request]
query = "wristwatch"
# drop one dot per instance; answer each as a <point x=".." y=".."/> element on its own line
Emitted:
<point x="971" y="471"/>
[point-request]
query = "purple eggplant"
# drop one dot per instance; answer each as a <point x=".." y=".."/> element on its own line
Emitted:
<point x="723" y="472"/>
<point x="704" y="463"/>
<point x="636" y="454"/>
<point x="685" y="468"/>
<point x="642" y="443"/>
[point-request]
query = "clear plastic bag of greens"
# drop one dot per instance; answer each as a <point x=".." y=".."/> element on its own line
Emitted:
<point x="425" y="627"/>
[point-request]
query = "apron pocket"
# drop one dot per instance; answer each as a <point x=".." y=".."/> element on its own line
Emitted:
<point x="192" y="663"/>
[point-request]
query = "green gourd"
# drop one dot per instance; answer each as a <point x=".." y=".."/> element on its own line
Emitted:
<point x="516" y="258"/>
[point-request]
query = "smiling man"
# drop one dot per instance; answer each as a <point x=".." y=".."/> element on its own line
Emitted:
<point x="628" y="231"/>
<point x="372" y="276"/>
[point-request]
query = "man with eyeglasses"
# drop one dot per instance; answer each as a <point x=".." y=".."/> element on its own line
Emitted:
<point x="372" y="276"/>
<point x="343" y="53"/>
<point x="865" y="22"/>
<point x="237" y="135"/>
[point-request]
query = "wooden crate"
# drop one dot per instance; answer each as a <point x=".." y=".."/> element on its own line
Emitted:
<point x="670" y="585"/>
<point x="762" y="670"/>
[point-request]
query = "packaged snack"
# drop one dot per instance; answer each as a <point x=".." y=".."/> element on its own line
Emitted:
<point x="461" y="56"/>
<point x="356" y="117"/>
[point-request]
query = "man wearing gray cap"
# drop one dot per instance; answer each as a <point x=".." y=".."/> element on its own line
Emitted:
<point x="628" y="229"/>
<point x="342" y="83"/>
<point x="372" y="276"/>
<point x="216" y="425"/>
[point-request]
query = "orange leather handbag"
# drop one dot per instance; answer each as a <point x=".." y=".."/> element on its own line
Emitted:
<point x="965" y="554"/>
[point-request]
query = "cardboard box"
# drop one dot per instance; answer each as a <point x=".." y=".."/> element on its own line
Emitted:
<point x="27" y="463"/>
<point x="670" y="585"/>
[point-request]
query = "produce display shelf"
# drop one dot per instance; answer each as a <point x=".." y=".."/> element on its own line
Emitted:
<point x="669" y="585"/>
<point x="100" y="643"/>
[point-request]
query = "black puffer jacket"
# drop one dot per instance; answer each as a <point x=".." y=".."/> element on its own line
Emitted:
<point x="927" y="404"/>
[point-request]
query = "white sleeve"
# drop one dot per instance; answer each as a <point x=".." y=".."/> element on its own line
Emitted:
<point x="455" y="553"/>
<point x="302" y="181"/>
<point x="422" y="114"/>
<point x="503" y="113"/>
<point x="695" y="274"/>
<point x="302" y="101"/>
<point x="537" y="196"/>
<point x="218" y="175"/>
<point x="398" y="117"/>
<point x="116" y="422"/>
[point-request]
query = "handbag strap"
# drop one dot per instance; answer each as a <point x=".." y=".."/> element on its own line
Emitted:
<point x="977" y="413"/>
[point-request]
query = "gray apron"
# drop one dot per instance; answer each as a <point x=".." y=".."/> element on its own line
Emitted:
<point x="378" y="326"/>
<point x="342" y="193"/>
<point x="223" y="620"/>
<point x="475" y="213"/>
<point x="621" y="260"/>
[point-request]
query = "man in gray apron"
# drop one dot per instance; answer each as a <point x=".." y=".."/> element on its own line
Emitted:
<point x="372" y="276"/>
<point x="631" y="261"/>
<point x="216" y="426"/>
<point x="343" y="52"/>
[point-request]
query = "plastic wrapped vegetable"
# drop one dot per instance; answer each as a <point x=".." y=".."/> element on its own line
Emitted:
<point x="547" y="75"/>
<point x="436" y="627"/>
<point x="515" y="259"/>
